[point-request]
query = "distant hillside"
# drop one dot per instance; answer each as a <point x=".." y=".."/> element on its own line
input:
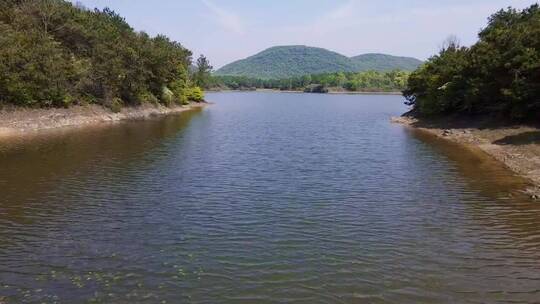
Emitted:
<point x="290" y="61"/>
<point x="382" y="62"/>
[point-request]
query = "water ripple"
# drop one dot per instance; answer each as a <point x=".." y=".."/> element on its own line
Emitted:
<point x="266" y="198"/>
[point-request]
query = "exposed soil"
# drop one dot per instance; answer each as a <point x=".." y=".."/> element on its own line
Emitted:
<point x="15" y="121"/>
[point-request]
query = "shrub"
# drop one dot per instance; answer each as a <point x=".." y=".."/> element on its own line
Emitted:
<point x="316" y="88"/>
<point x="147" y="97"/>
<point x="196" y="94"/>
<point x="167" y="96"/>
<point x="180" y="90"/>
<point x="115" y="105"/>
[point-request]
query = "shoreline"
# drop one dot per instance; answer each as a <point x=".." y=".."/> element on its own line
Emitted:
<point x="302" y="92"/>
<point x="517" y="147"/>
<point x="16" y="121"/>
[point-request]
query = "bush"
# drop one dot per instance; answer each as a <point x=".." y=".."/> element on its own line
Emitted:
<point x="167" y="96"/>
<point x="181" y="91"/>
<point x="316" y="88"/>
<point x="196" y="94"/>
<point x="115" y="105"/>
<point x="147" y="97"/>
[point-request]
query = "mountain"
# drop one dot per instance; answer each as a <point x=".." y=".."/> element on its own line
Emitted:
<point x="288" y="61"/>
<point x="298" y="60"/>
<point x="382" y="62"/>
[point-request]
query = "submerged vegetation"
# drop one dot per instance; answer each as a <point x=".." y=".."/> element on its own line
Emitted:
<point x="54" y="53"/>
<point x="370" y="81"/>
<point x="497" y="76"/>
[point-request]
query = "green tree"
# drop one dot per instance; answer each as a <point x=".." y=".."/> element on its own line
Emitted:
<point x="203" y="71"/>
<point x="498" y="76"/>
<point x="54" y="53"/>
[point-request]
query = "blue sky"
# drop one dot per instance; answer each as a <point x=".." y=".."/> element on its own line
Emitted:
<point x="227" y="30"/>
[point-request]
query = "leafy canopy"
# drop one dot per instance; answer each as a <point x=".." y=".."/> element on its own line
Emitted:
<point x="370" y="81"/>
<point x="54" y="53"/>
<point x="498" y="76"/>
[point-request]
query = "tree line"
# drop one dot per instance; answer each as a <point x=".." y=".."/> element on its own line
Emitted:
<point x="368" y="81"/>
<point x="498" y="76"/>
<point x="54" y="54"/>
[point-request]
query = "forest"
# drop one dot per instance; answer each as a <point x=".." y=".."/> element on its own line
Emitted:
<point x="499" y="76"/>
<point x="281" y="62"/>
<point x="55" y="54"/>
<point x="369" y="81"/>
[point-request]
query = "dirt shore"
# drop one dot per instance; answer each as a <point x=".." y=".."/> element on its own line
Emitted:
<point x="516" y="146"/>
<point x="20" y="121"/>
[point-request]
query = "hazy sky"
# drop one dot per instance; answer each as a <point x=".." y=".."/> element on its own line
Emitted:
<point x="227" y="30"/>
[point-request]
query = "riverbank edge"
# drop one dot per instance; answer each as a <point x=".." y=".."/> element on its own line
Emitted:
<point x="16" y="121"/>
<point x="302" y="92"/>
<point x="513" y="158"/>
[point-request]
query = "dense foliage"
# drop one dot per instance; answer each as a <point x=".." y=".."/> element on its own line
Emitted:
<point x="294" y="61"/>
<point x="498" y="76"/>
<point x="370" y="81"/>
<point x="53" y="53"/>
<point x="202" y="72"/>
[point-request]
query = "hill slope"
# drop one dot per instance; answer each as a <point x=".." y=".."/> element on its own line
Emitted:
<point x="288" y="61"/>
<point x="297" y="60"/>
<point x="382" y="62"/>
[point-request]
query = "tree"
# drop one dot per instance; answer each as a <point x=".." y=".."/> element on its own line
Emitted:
<point x="54" y="53"/>
<point x="498" y="76"/>
<point x="202" y="73"/>
<point x="340" y="79"/>
<point x="361" y="81"/>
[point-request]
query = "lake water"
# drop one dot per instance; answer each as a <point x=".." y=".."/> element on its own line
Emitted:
<point x="263" y="198"/>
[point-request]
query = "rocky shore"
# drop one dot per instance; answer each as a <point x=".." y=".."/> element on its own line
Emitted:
<point x="516" y="146"/>
<point x="16" y="121"/>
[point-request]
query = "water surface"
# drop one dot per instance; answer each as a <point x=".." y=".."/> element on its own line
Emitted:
<point x="263" y="198"/>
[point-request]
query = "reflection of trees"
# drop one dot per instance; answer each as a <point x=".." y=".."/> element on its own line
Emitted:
<point x="33" y="167"/>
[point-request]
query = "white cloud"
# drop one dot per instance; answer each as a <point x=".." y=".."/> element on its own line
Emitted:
<point x="228" y="20"/>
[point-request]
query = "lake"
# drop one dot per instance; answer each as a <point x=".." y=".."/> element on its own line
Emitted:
<point x="263" y="198"/>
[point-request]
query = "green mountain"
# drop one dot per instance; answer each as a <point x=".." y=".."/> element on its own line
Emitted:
<point x="382" y="62"/>
<point x="288" y="61"/>
<point x="298" y="60"/>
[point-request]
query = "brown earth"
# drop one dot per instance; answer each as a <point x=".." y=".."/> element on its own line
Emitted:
<point x="16" y="121"/>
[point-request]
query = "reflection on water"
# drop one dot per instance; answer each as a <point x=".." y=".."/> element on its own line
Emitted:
<point x="33" y="165"/>
<point x="263" y="198"/>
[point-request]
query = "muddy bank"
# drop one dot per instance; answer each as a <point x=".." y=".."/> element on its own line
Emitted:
<point x="19" y="121"/>
<point x="516" y="146"/>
